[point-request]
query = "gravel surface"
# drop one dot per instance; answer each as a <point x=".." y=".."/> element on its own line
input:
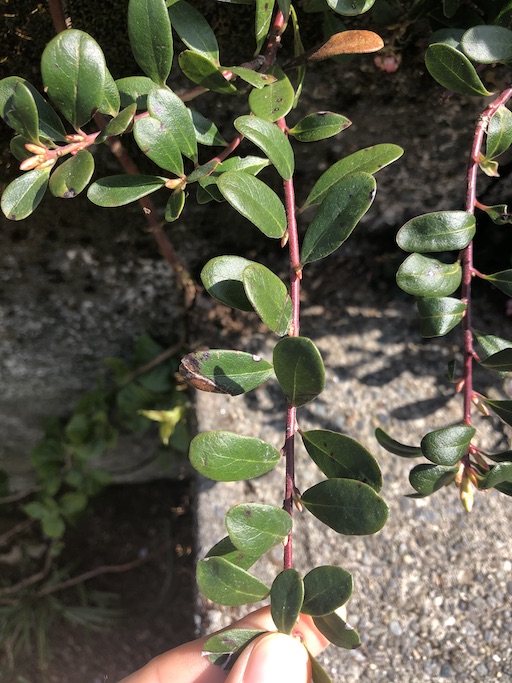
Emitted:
<point x="432" y="594"/>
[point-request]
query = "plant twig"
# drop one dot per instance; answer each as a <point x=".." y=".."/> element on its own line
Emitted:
<point x="16" y="529"/>
<point x="30" y="580"/>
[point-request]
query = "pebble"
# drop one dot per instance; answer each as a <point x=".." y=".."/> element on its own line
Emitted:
<point x="395" y="628"/>
<point x="446" y="671"/>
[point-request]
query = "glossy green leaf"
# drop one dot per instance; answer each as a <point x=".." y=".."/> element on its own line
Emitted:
<point x="501" y="280"/>
<point x="111" y="98"/>
<point x="500" y="473"/>
<point x="453" y="70"/>
<point x="168" y="108"/>
<point x="438" y="231"/>
<point x="347" y="506"/>
<point x="491" y="344"/>
<point x="254" y="78"/>
<point x="206" y="131"/>
<point x="396" y="447"/>
<point x="159" y="144"/>
<point x="201" y="70"/>
<point x="149" y="30"/>
<point x="448" y="445"/>
<point x="427" y="277"/>
<point x="135" y="90"/>
<point x="228" y="584"/>
<point x="225" y="548"/>
<point x="499" y="214"/>
<point x="202" y="172"/>
<point x="225" y="456"/>
<point x="350" y="8"/>
<point x="341" y="457"/>
<point x="318" y="673"/>
<point x="225" y="372"/>
<point x="340" y="211"/>
<point x="499" y="133"/>
<point x="118" y="190"/>
<point x="488" y="44"/>
<point x="286" y="597"/>
<point x="248" y="164"/>
<point x="500" y="361"/>
<point x="271" y="140"/>
<point x="337" y="631"/>
<point x="255" y="200"/>
<point x="72" y="176"/>
<point x="73" y="70"/>
<point x="263" y="18"/>
<point x="18" y="149"/>
<point x="504" y="456"/>
<point x="448" y="36"/>
<point x="325" y="589"/>
<point x="439" y="315"/>
<point x="222" y="279"/>
<point x="18" y="108"/>
<point x="503" y="409"/>
<point x="255" y="527"/>
<point x="119" y="124"/>
<point x="269" y="297"/>
<point x="505" y="488"/>
<point x="194" y="30"/>
<point x="174" y="206"/>
<point x="274" y="100"/>
<point x="323" y="124"/>
<point x="23" y="195"/>
<point x="427" y="479"/>
<point x="299" y="369"/>
<point x="368" y="160"/>
<point x="223" y="649"/>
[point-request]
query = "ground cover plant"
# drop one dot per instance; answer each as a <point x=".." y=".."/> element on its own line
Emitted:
<point x="83" y="107"/>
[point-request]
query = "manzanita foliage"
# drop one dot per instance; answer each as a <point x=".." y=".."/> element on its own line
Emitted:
<point x="439" y="272"/>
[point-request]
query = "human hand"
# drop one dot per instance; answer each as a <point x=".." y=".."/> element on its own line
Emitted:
<point x="270" y="658"/>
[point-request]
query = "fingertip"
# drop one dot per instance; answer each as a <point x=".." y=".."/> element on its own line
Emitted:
<point x="274" y="657"/>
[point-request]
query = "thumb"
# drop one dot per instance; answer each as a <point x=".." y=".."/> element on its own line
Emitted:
<point x="272" y="658"/>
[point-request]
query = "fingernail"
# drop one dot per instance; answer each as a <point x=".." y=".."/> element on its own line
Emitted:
<point x="276" y="658"/>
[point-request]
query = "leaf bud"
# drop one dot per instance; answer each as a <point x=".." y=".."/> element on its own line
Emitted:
<point x="31" y="162"/>
<point x="467" y="492"/>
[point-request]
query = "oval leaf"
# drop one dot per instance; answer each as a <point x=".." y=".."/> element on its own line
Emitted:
<point x="448" y="445"/>
<point x="119" y="124"/>
<point x="286" y="597"/>
<point x="453" y="70"/>
<point x="350" y="8"/>
<point x="222" y="279"/>
<point x="228" y="584"/>
<point x="223" y="649"/>
<point x="206" y="131"/>
<point x="439" y="315"/>
<point x="427" y="479"/>
<point x="73" y="176"/>
<point x="274" y="100"/>
<point x="323" y="124"/>
<point x="488" y="44"/>
<point x="225" y="548"/>
<point x="501" y="280"/>
<point x="271" y="140"/>
<point x="18" y="109"/>
<point x="23" y="195"/>
<point x="264" y="10"/>
<point x="225" y="372"/>
<point x="499" y="133"/>
<point x="255" y="201"/>
<point x="501" y="361"/>
<point x="337" y="631"/>
<point x="325" y="589"/>
<point x="269" y="297"/>
<point x="204" y="72"/>
<point x="438" y="231"/>
<point x="255" y="528"/>
<point x="194" y="30"/>
<point x="174" y="206"/>
<point x="135" y="90"/>
<point x="500" y="473"/>
<point x="159" y="144"/>
<point x="118" y="190"/>
<point x="503" y="409"/>
<point x="168" y="108"/>
<point x="149" y="30"/>
<point x="427" y="277"/>
<point x="225" y="456"/>
<point x="299" y="369"/>
<point x="340" y="211"/>
<point x="349" y="507"/>
<point x="341" y="457"/>
<point x="396" y="447"/>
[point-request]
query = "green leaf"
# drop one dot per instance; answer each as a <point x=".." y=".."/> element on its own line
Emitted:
<point x="206" y="131"/>
<point x="325" y="589"/>
<point x="159" y="144"/>
<point x="501" y="280"/>
<point x="72" y="503"/>
<point x="286" y="597"/>
<point x="225" y="456"/>
<point x="225" y="372"/>
<point x="174" y="206"/>
<point x="264" y="11"/>
<point x="269" y="297"/>
<point x="149" y="30"/>
<point x="318" y="673"/>
<point x="488" y="44"/>
<point x="255" y="201"/>
<point x="499" y="214"/>
<point x="228" y="584"/>
<point x="501" y="361"/>
<point x="368" y="160"/>
<point x="72" y="176"/>
<point x="18" y="108"/>
<point x="438" y="231"/>
<point x="254" y="78"/>
<point x="491" y="344"/>
<point x="274" y="100"/>
<point x="427" y="479"/>
<point x="168" y="108"/>
<point x="111" y="98"/>
<point x="225" y="548"/>
<point x="248" y="164"/>
<point x="347" y="506"/>
<point x="499" y="133"/>
<point x="505" y="488"/>
<point x="350" y="8"/>
<point x="503" y="409"/>
<point x="439" y="315"/>
<point x="323" y="124"/>
<point x="254" y="528"/>
<point x="135" y="90"/>
<point x="23" y="195"/>
<point x="341" y="457"/>
<point x="53" y="525"/>
<point x="453" y="70"/>
<point x="448" y="445"/>
<point x="271" y="140"/>
<point x="500" y="473"/>
<point x="18" y="149"/>
<point x="223" y="649"/>
<point x="427" y="277"/>
<point x="204" y="72"/>
<point x="396" y="447"/>
<point x="222" y="279"/>
<point x="337" y="631"/>
<point x="203" y="171"/>
<point x="74" y="71"/>
<point x="340" y="211"/>
<point x="299" y="369"/>
<point x="118" y="190"/>
<point x="119" y="124"/>
<point x="194" y="30"/>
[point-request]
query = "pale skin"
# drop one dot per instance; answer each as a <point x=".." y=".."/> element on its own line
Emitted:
<point x="270" y="658"/>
